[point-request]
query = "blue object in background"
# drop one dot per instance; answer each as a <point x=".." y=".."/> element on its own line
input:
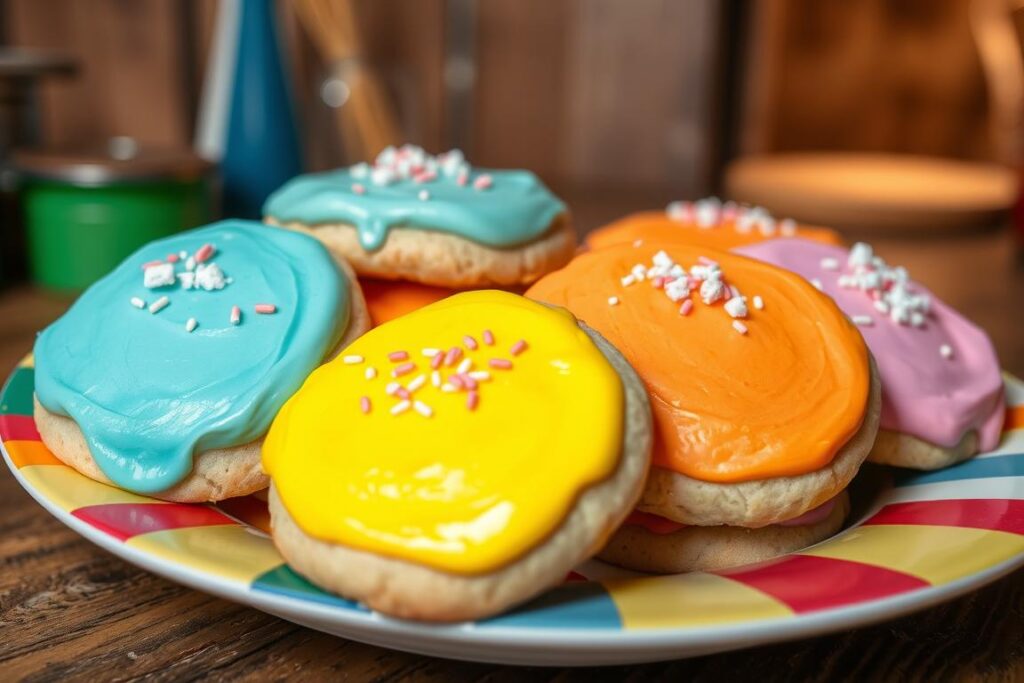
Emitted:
<point x="247" y="119"/>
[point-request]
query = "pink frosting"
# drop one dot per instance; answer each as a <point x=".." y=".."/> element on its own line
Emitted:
<point x="925" y="395"/>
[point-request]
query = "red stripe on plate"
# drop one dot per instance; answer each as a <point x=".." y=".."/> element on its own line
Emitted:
<point x="994" y="514"/>
<point x="18" y="428"/>
<point x="125" y="520"/>
<point x="248" y="509"/>
<point x="808" y="584"/>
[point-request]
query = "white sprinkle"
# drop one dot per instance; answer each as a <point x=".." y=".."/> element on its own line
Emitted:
<point x="464" y="366"/>
<point x="830" y="263"/>
<point x="416" y="383"/>
<point x="430" y="353"/>
<point x="881" y="306"/>
<point x="400" y="407"/>
<point x="209" y="276"/>
<point x="137" y="302"/>
<point x="190" y="263"/>
<point x="946" y="351"/>
<point x="424" y="195"/>
<point x="627" y="280"/>
<point x="480" y="375"/>
<point x="736" y="307"/>
<point x="860" y="255"/>
<point x="863" y="320"/>
<point x="759" y="303"/>
<point x="448" y="388"/>
<point x="816" y="282"/>
<point x="739" y="327"/>
<point x="159" y="275"/>
<point x="191" y="325"/>
<point x="371" y="372"/>
<point x="422" y="408"/>
<point x="638" y="243"/>
<point x="352" y="360"/>
<point x="613" y="301"/>
<point x="159" y="305"/>
<point x="435" y="378"/>
<point x="788" y="227"/>
<point x="182" y="254"/>
<point x="917" y="319"/>
<point x="391" y="388"/>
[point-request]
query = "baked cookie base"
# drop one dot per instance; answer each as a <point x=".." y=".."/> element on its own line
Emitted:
<point x="711" y="548"/>
<point x="414" y="591"/>
<point x="443" y="259"/>
<point x="216" y="474"/>
<point x="904" y="450"/>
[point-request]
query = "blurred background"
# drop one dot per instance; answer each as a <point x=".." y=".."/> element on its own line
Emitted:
<point x="896" y="121"/>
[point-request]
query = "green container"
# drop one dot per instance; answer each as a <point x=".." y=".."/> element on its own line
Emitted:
<point x="85" y="213"/>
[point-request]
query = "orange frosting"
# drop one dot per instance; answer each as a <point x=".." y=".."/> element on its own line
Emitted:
<point x="390" y="299"/>
<point x="780" y="400"/>
<point x="656" y="226"/>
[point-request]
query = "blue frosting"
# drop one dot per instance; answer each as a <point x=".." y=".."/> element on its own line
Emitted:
<point x="148" y="394"/>
<point x="516" y="209"/>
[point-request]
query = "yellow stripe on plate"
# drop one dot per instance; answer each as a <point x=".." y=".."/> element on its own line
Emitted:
<point x="689" y="600"/>
<point x="937" y="554"/>
<point x="28" y="361"/>
<point x="70" y="490"/>
<point x="230" y="552"/>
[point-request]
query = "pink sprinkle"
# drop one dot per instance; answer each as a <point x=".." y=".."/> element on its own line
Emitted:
<point x="739" y="327"/>
<point x="265" y="308"/>
<point x="462" y="179"/>
<point x="483" y="182"/>
<point x="358" y="188"/>
<point x="657" y="282"/>
<point x="488" y="338"/>
<point x="456" y="381"/>
<point x="467" y="382"/>
<point x="472" y="400"/>
<point x="704" y="260"/>
<point x="396" y="356"/>
<point x="365" y="405"/>
<point x="686" y="307"/>
<point x="172" y="258"/>
<point x="403" y="369"/>
<point x="425" y="177"/>
<point x="733" y="291"/>
<point x="453" y="356"/>
<point x="402" y="392"/>
<point x="150" y="264"/>
<point x="518" y="348"/>
<point x="204" y="253"/>
<point x="469" y="342"/>
<point x="500" y="363"/>
<point x="236" y="315"/>
<point x="436" y="361"/>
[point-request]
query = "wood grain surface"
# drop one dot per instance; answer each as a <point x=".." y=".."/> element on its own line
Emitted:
<point x="70" y="611"/>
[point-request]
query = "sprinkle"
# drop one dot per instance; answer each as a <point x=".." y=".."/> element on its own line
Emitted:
<point x="204" y="253"/>
<point x="365" y="405"/>
<point x="371" y="373"/>
<point x="462" y="178"/>
<point x="467" y="381"/>
<point x="736" y="307"/>
<point x="400" y="407"/>
<point x="265" y="308"/>
<point x="172" y="258"/>
<point x="448" y="388"/>
<point x="500" y="363"/>
<point x="638" y="243"/>
<point x="182" y="254"/>
<point x="704" y="260"/>
<point x="627" y="280"/>
<point x="423" y="195"/>
<point x="518" y="347"/>
<point x="396" y="356"/>
<point x="472" y="400"/>
<point x="480" y="375"/>
<point x="946" y="351"/>
<point x="829" y="263"/>
<point x="151" y="264"/>
<point x="352" y="360"/>
<point x="686" y="307"/>
<point x="469" y="342"/>
<point x="435" y="378"/>
<point x="425" y="177"/>
<point x="464" y="366"/>
<point x="236" y="315"/>
<point x="758" y="303"/>
<point x="456" y="381"/>
<point x="403" y="393"/>
<point x="483" y="182"/>
<point x="190" y="264"/>
<point x="436" y="361"/>
<point x="788" y="227"/>
<point x="739" y="327"/>
<point x="358" y="188"/>
<point x="191" y="324"/>
<point x="403" y="369"/>
<point x="816" y="282"/>
<point x="160" y="275"/>
<point x="613" y="301"/>
<point x="430" y="353"/>
<point x="392" y="388"/>
<point x="137" y="302"/>
<point x="423" y="409"/>
<point x="159" y="305"/>
<point x="488" y="337"/>
<point x="415" y="384"/>
<point x="453" y="355"/>
<point x="863" y="320"/>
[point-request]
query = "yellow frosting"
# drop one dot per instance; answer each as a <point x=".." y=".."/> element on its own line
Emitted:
<point x="464" y="491"/>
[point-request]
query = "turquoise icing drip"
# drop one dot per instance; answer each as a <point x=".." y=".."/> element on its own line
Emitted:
<point x="517" y="209"/>
<point x="148" y="395"/>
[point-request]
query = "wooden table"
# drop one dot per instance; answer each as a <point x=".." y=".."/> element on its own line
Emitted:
<point x="70" y="610"/>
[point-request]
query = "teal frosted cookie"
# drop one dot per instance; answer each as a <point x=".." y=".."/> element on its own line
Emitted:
<point x="164" y="376"/>
<point x="431" y="219"/>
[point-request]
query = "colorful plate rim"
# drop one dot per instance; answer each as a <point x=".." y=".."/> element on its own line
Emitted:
<point x="928" y="538"/>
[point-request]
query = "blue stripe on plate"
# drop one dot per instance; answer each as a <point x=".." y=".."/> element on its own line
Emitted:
<point x="283" y="581"/>
<point x="979" y="468"/>
<point x="584" y="605"/>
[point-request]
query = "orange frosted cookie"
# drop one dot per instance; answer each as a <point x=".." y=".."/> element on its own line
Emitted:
<point x="390" y="299"/>
<point x="763" y="393"/>
<point x="705" y="223"/>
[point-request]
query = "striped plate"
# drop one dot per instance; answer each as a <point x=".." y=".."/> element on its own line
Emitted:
<point x="919" y="538"/>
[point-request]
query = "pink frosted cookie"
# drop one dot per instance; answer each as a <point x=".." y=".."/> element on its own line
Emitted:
<point x="942" y="390"/>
